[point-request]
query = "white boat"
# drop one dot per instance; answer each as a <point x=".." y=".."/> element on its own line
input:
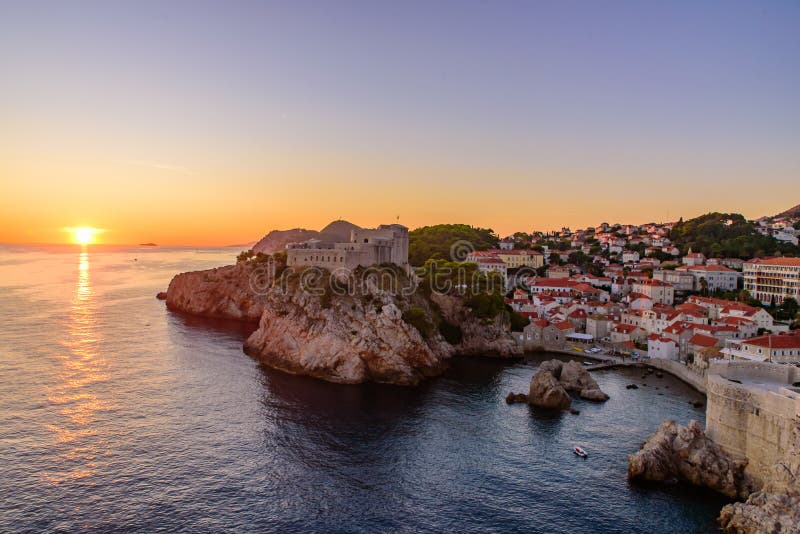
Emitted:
<point x="580" y="452"/>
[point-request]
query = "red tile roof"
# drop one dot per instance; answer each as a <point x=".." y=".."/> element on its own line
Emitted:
<point x="790" y="262"/>
<point x="703" y="340"/>
<point x="776" y="341"/>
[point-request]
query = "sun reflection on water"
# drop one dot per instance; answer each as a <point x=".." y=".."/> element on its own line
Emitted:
<point x="78" y="395"/>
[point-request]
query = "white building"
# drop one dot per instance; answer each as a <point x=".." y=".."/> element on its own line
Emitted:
<point x="773" y="279"/>
<point x="718" y="277"/>
<point x="680" y="280"/>
<point x="777" y="348"/>
<point x="662" y="347"/>
<point x="630" y="256"/>
<point x="693" y="258"/>
<point x="489" y="264"/>
<point x="660" y="292"/>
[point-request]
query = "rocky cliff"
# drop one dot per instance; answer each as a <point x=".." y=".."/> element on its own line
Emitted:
<point x="364" y="333"/>
<point x="776" y="508"/>
<point x="684" y="453"/>
<point x="224" y="292"/>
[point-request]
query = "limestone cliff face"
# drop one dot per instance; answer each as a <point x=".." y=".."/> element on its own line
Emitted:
<point x="354" y="337"/>
<point x="480" y="337"/>
<point x="354" y="340"/>
<point x="224" y="292"/>
<point x="776" y="508"/>
<point x="677" y="452"/>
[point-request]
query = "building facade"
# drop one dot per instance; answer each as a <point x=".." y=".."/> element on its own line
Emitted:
<point x="718" y="277"/>
<point x="680" y="280"/>
<point x="659" y="292"/>
<point x="773" y="280"/>
<point x="776" y="348"/>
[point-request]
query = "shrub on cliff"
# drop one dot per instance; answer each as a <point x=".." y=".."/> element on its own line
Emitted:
<point x="416" y="317"/>
<point x="244" y="256"/>
<point x="486" y="305"/>
<point x="459" y="278"/>
<point x="518" y="321"/>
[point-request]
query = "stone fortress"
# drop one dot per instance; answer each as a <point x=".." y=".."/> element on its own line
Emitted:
<point x="388" y="243"/>
<point x="752" y="409"/>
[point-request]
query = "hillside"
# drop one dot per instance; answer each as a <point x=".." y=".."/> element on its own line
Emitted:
<point x="791" y="212"/>
<point x="726" y="235"/>
<point x="337" y="231"/>
<point x="448" y="242"/>
<point x="276" y="240"/>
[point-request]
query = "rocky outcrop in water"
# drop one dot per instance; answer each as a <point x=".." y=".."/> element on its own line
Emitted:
<point x="776" y="508"/>
<point x="575" y="378"/>
<point x="552" y="382"/>
<point x="363" y="334"/>
<point x="546" y="392"/>
<point x="684" y="453"/>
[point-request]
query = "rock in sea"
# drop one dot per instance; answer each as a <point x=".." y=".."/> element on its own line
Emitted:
<point x="546" y="392"/>
<point x="685" y="453"/>
<point x="553" y="381"/>
<point x="513" y="398"/>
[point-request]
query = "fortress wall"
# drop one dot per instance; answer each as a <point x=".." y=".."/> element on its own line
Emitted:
<point x="750" y="421"/>
<point x="763" y="371"/>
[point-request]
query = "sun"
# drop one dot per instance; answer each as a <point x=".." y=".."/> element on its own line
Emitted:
<point x="84" y="235"/>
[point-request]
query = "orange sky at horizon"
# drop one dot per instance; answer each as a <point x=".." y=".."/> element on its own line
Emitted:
<point x="169" y="204"/>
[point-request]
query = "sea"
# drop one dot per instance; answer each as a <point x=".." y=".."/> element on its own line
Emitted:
<point x="117" y="415"/>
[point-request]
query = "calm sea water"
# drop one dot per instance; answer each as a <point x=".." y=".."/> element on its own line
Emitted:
<point x="117" y="415"/>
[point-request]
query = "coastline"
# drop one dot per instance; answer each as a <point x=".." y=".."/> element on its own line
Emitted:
<point x="676" y="369"/>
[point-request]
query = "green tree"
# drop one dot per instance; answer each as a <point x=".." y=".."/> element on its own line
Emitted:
<point x="788" y="309"/>
<point x="727" y="235"/>
<point x="448" y="242"/>
<point x="245" y="256"/>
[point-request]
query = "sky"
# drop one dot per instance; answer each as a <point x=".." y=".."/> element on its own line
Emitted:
<point x="211" y="123"/>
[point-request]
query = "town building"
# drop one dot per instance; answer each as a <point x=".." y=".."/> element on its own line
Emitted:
<point x="771" y="280"/>
<point x="776" y="348"/>
<point x="487" y="264"/>
<point x="717" y="277"/>
<point x="662" y="347"/>
<point x="630" y="256"/>
<point x="680" y="280"/>
<point x="693" y="258"/>
<point x="513" y="258"/>
<point x="659" y="292"/>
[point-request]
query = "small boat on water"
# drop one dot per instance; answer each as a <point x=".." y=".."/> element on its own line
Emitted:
<point x="580" y="452"/>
